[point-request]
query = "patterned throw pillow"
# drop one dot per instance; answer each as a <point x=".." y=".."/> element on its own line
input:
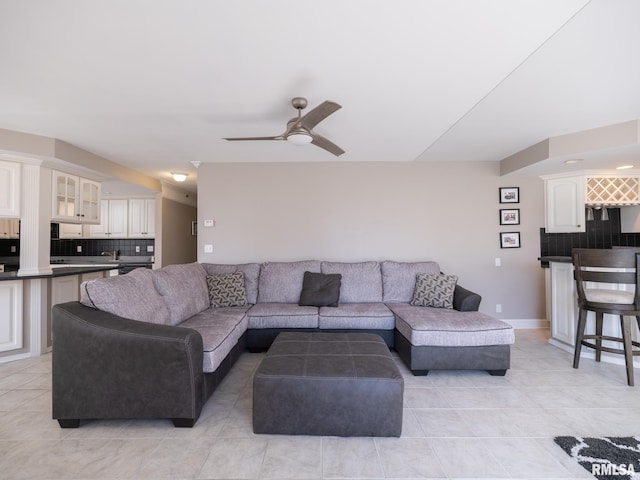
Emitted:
<point x="434" y="290"/>
<point x="227" y="290"/>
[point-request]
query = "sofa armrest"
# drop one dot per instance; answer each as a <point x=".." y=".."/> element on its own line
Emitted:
<point x="106" y="366"/>
<point x="465" y="300"/>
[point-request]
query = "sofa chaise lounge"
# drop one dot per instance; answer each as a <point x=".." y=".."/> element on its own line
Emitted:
<point x="156" y="343"/>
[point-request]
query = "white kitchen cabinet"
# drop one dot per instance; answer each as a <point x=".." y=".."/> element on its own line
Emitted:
<point x="10" y="189"/>
<point x="565" y="204"/>
<point x="75" y="199"/>
<point x="113" y="216"/>
<point x="11" y="318"/>
<point x="142" y="218"/>
<point x="65" y="289"/>
<point x="563" y="302"/>
<point x="9" y="228"/>
<point x="70" y="230"/>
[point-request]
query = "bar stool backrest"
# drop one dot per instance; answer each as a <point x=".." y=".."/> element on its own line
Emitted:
<point x="603" y="266"/>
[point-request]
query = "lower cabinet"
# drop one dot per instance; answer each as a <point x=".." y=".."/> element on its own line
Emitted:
<point x="563" y="306"/>
<point x="11" y="318"/>
<point x="65" y="289"/>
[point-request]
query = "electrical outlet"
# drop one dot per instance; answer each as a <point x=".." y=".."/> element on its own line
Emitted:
<point x="149" y="248"/>
<point x="79" y="248"/>
<point x="13" y="249"/>
<point x="498" y="262"/>
<point x="498" y="308"/>
<point x="137" y="248"/>
<point x="208" y="248"/>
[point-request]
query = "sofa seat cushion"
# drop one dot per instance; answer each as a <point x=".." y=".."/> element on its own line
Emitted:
<point x="184" y="290"/>
<point x="441" y="327"/>
<point x="361" y="282"/>
<point x="282" y="315"/>
<point x="220" y="328"/>
<point x="399" y="279"/>
<point x="131" y="296"/>
<point x="251" y="272"/>
<point x="281" y="282"/>
<point x="370" y="316"/>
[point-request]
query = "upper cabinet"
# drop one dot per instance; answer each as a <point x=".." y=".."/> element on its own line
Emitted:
<point x="113" y="220"/>
<point x="9" y="228"/>
<point x="9" y="189"/>
<point x="75" y="199"/>
<point x="142" y="217"/>
<point x="565" y="204"/>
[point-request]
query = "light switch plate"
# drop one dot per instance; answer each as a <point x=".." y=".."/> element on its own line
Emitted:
<point x="79" y="248"/>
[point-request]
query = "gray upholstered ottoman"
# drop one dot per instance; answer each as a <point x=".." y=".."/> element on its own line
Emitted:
<point x="342" y="384"/>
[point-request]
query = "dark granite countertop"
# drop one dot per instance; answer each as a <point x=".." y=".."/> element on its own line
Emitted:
<point x="58" y="272"/>
<point x="544" y="261"/>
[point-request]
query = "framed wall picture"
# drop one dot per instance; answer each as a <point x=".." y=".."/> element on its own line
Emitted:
<point x="509" y="194"/>
<point x="510" y="240"/>
<point x="509" y="216"/>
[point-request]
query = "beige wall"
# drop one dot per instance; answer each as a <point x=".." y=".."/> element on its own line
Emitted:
<point x="446" y="212"/>
<point x="178" y="245"/>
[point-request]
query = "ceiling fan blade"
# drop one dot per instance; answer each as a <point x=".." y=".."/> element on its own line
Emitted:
<point x="328" y="145"/>
<point x="319" y="113"/>
<point x="234" y="139"/>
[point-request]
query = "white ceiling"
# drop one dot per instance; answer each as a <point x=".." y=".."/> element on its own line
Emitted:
<point x="155" y="85"/>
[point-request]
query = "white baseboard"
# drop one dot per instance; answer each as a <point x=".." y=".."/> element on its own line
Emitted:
<point x="590" y="354"/>
<point x="528" y="323"/>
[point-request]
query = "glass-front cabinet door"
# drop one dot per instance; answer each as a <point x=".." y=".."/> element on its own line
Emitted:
<point x="65" y="197"/>
<point x="90" y="201"/>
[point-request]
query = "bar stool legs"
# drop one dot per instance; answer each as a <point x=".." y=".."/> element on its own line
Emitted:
<point x="626" y="340"/>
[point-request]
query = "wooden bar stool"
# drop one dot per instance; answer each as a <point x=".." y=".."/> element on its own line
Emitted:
<point x="603" y="266"/>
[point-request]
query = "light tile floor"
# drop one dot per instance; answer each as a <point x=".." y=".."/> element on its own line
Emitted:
<point x="456" y="425"/>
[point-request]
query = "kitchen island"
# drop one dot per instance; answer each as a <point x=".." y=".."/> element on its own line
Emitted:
<point x="26" y="301"/>
<point x="562" y="311"/>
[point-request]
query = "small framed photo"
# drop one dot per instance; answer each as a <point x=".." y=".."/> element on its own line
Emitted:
<point x="509" y="194"/>
<point x="510" y="240"/>
<point x="510" y="216"/>
<point x="194" y="227"/>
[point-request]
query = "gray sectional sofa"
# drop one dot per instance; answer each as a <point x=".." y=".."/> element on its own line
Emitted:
<point x="150" y="344"/>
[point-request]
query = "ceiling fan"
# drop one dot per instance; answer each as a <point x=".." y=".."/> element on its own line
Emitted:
<point x="300" y="129"/>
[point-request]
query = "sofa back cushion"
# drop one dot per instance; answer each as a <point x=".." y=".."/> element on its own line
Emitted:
<point x="183" y="289"/>
<point x="399" y="279"/>
<point x="281" y="282"/>
<point x="132" y="296"/>
<point x="361" y="282"/>
<point x="251" y="272"/>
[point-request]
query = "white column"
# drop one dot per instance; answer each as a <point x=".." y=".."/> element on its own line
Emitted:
<point x="35" y="246"/>
<point x="35" y="220"/>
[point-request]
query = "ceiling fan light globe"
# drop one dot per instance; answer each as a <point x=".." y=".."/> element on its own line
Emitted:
<point x="299" y="138"/>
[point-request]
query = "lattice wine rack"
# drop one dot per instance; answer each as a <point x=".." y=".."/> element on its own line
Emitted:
<point x="613" y="191"/>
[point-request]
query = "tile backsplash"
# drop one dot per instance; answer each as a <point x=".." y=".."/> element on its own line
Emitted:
<point x="599" y="234"/>
<point x="9" y="244"/>
<point x="93" y="247"/>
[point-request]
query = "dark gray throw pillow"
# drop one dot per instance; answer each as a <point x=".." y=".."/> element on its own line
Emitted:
<point x="320" y="289"/>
